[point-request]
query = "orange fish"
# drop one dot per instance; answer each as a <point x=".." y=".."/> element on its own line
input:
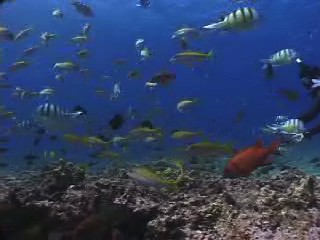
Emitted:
<point x="249" y="159"/>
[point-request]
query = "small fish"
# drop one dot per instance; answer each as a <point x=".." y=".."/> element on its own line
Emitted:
<point x="151" y="85"/>
<point x="6" y="34"/>
<point x="116" y="91"/>
<point x="190" y="57"/>
<point x="248" y="160"/>
<point x="121" y="61"/>
<point x="135" y="74"/>
<point x="117" y="122"/>
<point x="79" y="39"/>
<point x="47" y="92"/>
<point x="82" y="8"/>
<point x="31" y="50"/>
<point x="60" y="77"/>
<point x="23" y="34"/>
<point x="184" y="135"/>
<point x="86" y="29"/>
<point x="242" y="18"/>
<point x="101" y="92"/>
<point x="57" y="13"/>
<point x="66" y="66"/>
<point x="280" y="58"/>
<point x="289" y="94"/>
<point x="19" y="65"/>
<point x="186" y="104"/>
<point x="186" y="33"/>
<point x="209" y="149"/>
<point x="143" y="3"/>
<point x="145" y="53"/>
<point x="163" y="78"/>
<point x="83" y="53"/>
<point x="139" y="44"/>
<point x="5" y="85"/>
<point x="146" y="132"/>
<point x="106" y="154"/>
<point x="3" y="76"/>
<point x="46" y="37"/>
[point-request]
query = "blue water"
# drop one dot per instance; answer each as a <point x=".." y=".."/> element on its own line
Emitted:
<point x="230" y="82"/>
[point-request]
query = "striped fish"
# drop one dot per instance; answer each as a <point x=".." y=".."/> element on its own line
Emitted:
<point x="52" y="117"/>
<point x="241" y="18"/>
<point x="282" y="57"/>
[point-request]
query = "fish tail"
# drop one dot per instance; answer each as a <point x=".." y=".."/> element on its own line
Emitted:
<point x="214" y="26"/>
<point x="210" y="54"/>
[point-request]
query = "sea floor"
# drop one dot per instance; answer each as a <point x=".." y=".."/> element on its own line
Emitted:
<point x="63" y="201"/>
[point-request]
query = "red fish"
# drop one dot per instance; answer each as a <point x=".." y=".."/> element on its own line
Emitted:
<point x="249" y="159"/>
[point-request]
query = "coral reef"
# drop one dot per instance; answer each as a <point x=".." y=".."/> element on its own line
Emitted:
<point x="62" y="201"/>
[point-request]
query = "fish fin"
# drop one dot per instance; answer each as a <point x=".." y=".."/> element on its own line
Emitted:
<point x="210" y="54"/>
<point x="265" y="60"/>
<point x="316" y="83"/>
<point x="214" y="26"/>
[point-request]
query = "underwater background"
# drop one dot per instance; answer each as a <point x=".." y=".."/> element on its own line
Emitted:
<point x="229" y="85"/>
<point x="103" y="149"/>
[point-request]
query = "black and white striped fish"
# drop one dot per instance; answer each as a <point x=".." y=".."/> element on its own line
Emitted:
<point x="241" y="18"/>
<point x="282" y="57"/>
<point x="52" y="116"/>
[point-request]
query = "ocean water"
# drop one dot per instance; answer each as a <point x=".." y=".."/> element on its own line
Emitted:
<point x="231" y="82"/>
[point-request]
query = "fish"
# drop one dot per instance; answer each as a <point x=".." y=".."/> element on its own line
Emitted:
<point x="145" y="53"/>
<point x="189" y="57"/>
<point x="121" y="61"/>
<point x="6" y="34"/>
<point x="242" y="18"/>
<point x="117" y="122"/>
<point x="139" y="44"/>
<point x="116" y="91"/>
<point x="289" y="94"/>
<point x="23" y="34"/>
<point x="79" y="39"/>
<point x="3" y="76"/>
<point x="82" y="8"/>
<point x="31" y="50"/>
<point x="163" y="78"/>
<point x="106" y="154"/>
<point x="46" y="37"/>
<point x="83" y="53"/>
<point x="86" y="29"/>
<point x="143" y="3"/>
<point x="249" y="159"/>
<point x="280" y="58"/>
<point x="209" y="149"/>
<point x="146" y="132"/>
<point x="186" y="33"/>
<point x="57" y="13"/>
<point x="52" y="117"/>
<point x="134" y="74"/>
<point x="185" y="104"/>
<point x="19" y="65"/>
<point x="47" y="92"/>
<point x="184" y="135"/>
<point x="66" y="66"/>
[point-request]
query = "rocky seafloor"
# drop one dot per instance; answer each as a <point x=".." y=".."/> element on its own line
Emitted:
<point x="63" y="202"/>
